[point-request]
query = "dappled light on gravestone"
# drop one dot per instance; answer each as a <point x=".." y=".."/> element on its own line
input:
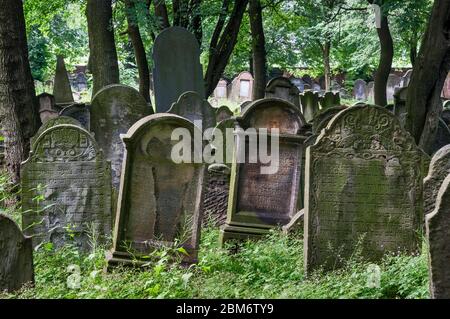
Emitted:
<point x="283" y="88"/>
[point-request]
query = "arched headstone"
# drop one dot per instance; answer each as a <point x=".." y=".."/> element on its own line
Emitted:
<point x="360" y="90"/>
<point x="281" y="87"/>
<point x="53" y="122"/>
<point x="322" y="119"/>
<point x="310" y="104"/>
<point x="242" y="87"/>
<point x="223" y="113"/>
<point x="80" y="112"/>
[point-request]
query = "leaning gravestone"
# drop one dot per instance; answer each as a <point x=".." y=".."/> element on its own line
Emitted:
<point x="16" y="256"/>
<point x="53" y="122"/>
<point x="160" y="201"/>
<point x="360" y="90"/>
<point x="438" y="170"/>
<point x="66" y="167"/>
<point x="438" y="236"/>
<point x="223" y="113"/>
<point x="176" y="55"/>
<point x="363" y="189"/>
<point x="114" y="109"/>
<point x="310" y="104"/>
<point x="260" y="200"/>
<point x="62" y="90"/>
<point x="329" y="99"/>
<point x="283" y="88"/>
<point x="80" y="112"/>
<point x="193" y="107"/>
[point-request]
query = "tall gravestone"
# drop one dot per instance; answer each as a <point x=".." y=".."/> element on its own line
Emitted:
<point x="371" y="92"/>
<point x="62" y="90"/>
<point x="310" y="104"/>
<point x="66" y="167"/>
<point x="439" y="169"/>
<point x="329" y="99"/>
<point x="16" y="256"/>
<point x="196" y="109"/>
<point x="393" y="83"/>
<point x="281" y="87"/>
<point x="160" y="201"/>
<point x="47" y="107"/>
<point x="438" y="236"/>
<point x="177" y="69"/>
<point x="363" y="189"/>
<point x="360" y="90"/>
<point x="322" y="119"/>
<point x="258" y="201"/>
<point x="80" y="112"/>
<point x="241" y="88"/>
<point x="114" y="109"/>
<point x="400" y="104"/>
<point x="223" y="113"/>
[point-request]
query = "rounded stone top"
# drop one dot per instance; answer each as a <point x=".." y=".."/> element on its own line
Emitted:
<point x="119" y="88"/>
<point x="176" y="31"/>
<point x="7" y="223"/>
<point x="281" y="81"/>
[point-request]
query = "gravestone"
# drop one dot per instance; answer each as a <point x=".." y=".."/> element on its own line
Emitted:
<point x="80" y="112"/>
<point x="258" y="201"/>
<point x="363" y="189"/>
<point x="193" y="107"/>
<point x="371" y="92"/>
<point x="244" y="105"/>
<point x="220" y="92"/>
<point x="281" y="87"/>
<point x="66" y="167"/>
<point x="400" y="104"/>
<point x="329" y="99"/>
<point x="437" y="225"/>
<point x="298" y="82"/>
<point x="62" y="90"/>
<point x="406" y="78"/>
<point x="241" y="88"/>
<point x="360" y="90"/>
<point x="439" y="169"/>
<point x="322" y="119"/>
<point x="307" y="80"/>
<point x="176" y="55"/>
<point x="53" y="122"/>
<point x="114" y="109"/>
<point x="216" y="195"/>
<point x="394" y="82"/>
<point x="442" y="137"/>
<point x="446" y="89"/>
<point x="16" y="256"/>
<point x="47" y="107"/>
<point x="160" y="201"/>
<point x="223" y="113"/>
<point x="310" y="104"/>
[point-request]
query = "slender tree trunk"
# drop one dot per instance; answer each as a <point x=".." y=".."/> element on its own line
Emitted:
<point x="19" y="110"/>
<point x="385" y="64"/>
<point x="161" y="14"/>
<point x="139" y="50"/>
<point x="413" y="50"/>
<point x="181" y="13"/>
<point x="103" y="55"/>
<point x="326" y="63"/>
<point x="220" y="54"/>
<point x="259" y="68"/>
<point x="195" y="24"/>
<point x="423" y="102"/>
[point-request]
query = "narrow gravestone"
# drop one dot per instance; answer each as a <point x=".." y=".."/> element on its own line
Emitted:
<point x="360" y="90"/>
<point x="442" y="137"/>
<point x="216" y="195"/>
<point x="438" y="236"/>
<point x="47" y="108"/>
<point x="298" y="82"/>
<point x="438" y="170"/>
<point x="363" y="189"/>
<point x="310" y="104"/>
<point x="322" y="119"/>
<point x="242" y="87"/>
<point x="196" y="109"/>
<point x="281" y="87"/>
<point x="400" y="104"/>
<point x="393" y="83"/>
<point x="176" y="55"/>
<point x="16" y="256"/>
<point x="66" y="167"/>
<point x="371" y="92"/>
<point x="407" y="78"/>
<point x="329" y="99"/>
<point x="53" y="122"/>
<point x="160" y="201"/>
<point x="261" y="201"/>
<point x="223" y="113"/>
<point x="221" y="90"/>
<point x="62" y="90"/>
<point x="244" y="105"/>
<point x="114" y="109"/>
<point x="80" y="112"/>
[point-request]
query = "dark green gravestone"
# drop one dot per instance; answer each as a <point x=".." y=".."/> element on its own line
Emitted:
<point x="363" y="188"/>
<point x="259" y="202"/>
<point x="160" y="201"/>
<point x="16" y="256"/>
<point x="53" y="122"/>
<point x="114" y="109"/>
<point x="176" y="54"/>
<point x="329" y="99"/>
<point x="67" y="168"/>
<point x="282" y="88"/>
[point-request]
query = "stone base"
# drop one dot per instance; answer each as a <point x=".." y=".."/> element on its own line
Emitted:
<point x="240" y="233"/>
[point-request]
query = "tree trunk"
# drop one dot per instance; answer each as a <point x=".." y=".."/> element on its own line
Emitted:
<point x="19" y="110"/>
<point x="259" y="68"/>
<point x="326" y="63"/>
<point x="423" y="102"/>
<point x="413" y="50"/>
<point x="181" y="13"/>
<point x="385" y="64"/>
<point x="161" y="14"/>
<point x="139" y="50"/>
<point x="220" y="54"/>
<point x="195" y="24"/>
<point x="103" y="56"/>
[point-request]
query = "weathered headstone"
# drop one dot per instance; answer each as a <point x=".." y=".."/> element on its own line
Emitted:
<point x="66" y="167"/>
<point x="322" y="118"/>
<point x="216" y="195"/>
<point x="442" y="137"/>
<point x="241" y="89"/>
<point x="47" y="107"/>
<point x="244" y="105"/>
<point x="223" y="113"/>
<point x="446" y="89"/>
<point x="329" y="99"/>
<point x="193" y="107"/>
<point x="160" y="201"/>
<point x="371" y="92"/>
<point x="80" y="112"/>
<point x="406" y="78"/>
<point x="394" y="82"/>
<point x="363" y="189"/>
<point x="220" y="91"/>
<point x="360" y="90"/>
<point x="298" y="82"/>
<point x="310" y="104"/>
<point x="437" y="226"/>
<point x="16" y="256"/>
<point x="62" y="90"/>
<point x="400" y="104"/>
<point x="281" y="87"/>
<point x="53" y="122"/>
<point x="261" y="201"/>
<point x="114" y="109"/>
<point x="176" y="55"/>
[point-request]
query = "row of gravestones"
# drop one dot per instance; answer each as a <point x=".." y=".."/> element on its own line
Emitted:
<point x="363" y="91"/>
